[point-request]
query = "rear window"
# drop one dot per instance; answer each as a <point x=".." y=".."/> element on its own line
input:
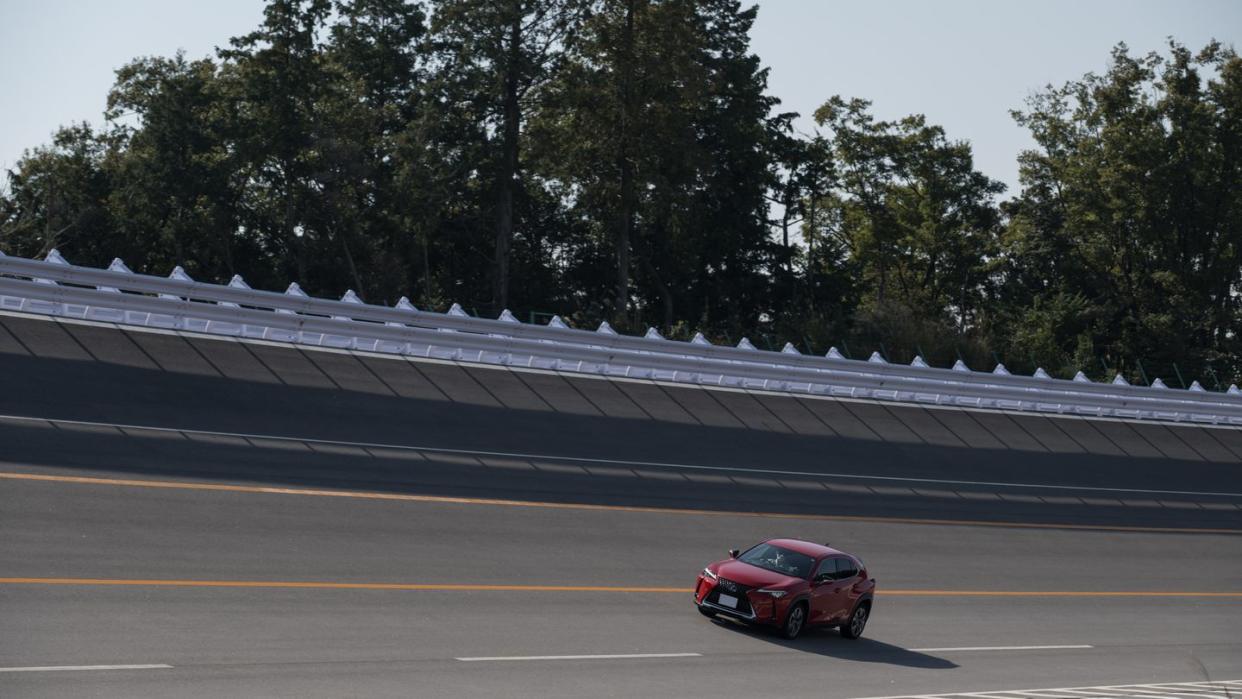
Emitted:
<point x="779" y="560"/>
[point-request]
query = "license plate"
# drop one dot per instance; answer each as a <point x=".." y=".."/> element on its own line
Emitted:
<point x="728" y="601"/>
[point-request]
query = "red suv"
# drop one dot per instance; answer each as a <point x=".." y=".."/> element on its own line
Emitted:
<point x="789" y="584"/>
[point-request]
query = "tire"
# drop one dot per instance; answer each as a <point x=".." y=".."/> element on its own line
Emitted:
<point x="853" y="628"/>
<point x="795" y="621"/>
<point x="707" y="612"/>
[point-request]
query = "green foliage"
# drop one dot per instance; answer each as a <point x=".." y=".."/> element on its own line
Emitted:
<point x="623" y="160"/>
<point x="172" y="197"/>
<point x="58" y="197"/>
<point x="669" y="181"/>
<point x="1132" y="206"/>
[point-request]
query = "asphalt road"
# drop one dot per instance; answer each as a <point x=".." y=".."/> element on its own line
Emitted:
<point x="278" y="641"/>
<point x="319" y="564"/>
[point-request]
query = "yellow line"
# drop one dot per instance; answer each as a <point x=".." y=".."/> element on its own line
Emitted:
<point x="1050" y="593"/>
<point x="449" y="500"/>
<point x="444" y="587"/>
<point x="338" y="586"/>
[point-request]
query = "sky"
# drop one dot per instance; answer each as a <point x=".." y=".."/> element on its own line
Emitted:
<point x="963" y="63"/>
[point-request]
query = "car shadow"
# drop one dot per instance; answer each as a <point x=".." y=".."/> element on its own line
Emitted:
<point x="828" y="642"/>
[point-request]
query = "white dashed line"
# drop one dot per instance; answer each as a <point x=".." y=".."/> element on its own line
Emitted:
<point x="581" y="657"/>
<point x="973" y="648"/>
<point x="80" y="668"/>
<point x="1174" y="690"/>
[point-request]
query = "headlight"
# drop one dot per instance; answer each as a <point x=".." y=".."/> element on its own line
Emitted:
<point x="775" y="593"/>
<point x="708" y="574"/>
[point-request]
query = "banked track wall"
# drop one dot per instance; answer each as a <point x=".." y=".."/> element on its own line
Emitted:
<point x="116" y="295"/>
<point x="375" y="421"/>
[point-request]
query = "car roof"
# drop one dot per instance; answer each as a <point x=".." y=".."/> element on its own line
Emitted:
<point x="805" y="547"/>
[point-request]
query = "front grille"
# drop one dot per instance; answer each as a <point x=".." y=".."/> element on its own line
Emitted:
<point x="737" y="590"/>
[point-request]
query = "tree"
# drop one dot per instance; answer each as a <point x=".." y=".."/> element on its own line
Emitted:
<point x="659" y="130"/>
<point x="58" y="198"/>
<point x="497" y="55"/>
<point x="174" y="200"/>
<point x="623" y="159"/>
<point x="1131" y="202"/>
<point x="917" y="220"/>
<point x="737" y="134"/>
<point x="374" y="59"/>
<point x="588" y="138"/>
<point x="276" y="78"/>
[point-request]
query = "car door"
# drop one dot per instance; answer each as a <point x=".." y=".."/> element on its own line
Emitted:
<point x="825" y="592"/>
<point x="847" y="579"/>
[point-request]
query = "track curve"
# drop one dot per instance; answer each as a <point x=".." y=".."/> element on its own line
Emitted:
<point x="328" y="524"/>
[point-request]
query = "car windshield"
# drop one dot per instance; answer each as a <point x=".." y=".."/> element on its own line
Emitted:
<point x="779" y="560"/>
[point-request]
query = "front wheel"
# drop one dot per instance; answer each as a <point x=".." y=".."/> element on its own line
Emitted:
<point x="794" y="621"/>
<point x="858" y="621"/>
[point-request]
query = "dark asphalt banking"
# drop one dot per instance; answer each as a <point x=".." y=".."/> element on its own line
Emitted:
<point x="630" y="501"/>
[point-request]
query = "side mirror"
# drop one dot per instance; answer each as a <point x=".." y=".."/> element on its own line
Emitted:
<point x="733" y="553"/>
<point x="822" y="578"/>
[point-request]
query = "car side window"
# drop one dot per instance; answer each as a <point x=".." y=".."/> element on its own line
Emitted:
<point x="846" y="569"/>
<point x="827" y="569"/>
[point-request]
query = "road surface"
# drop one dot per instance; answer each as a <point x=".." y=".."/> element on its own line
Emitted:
<point x="203" y="518"/>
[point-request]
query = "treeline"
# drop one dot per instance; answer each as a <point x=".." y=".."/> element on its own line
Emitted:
<point x="623" y="160"/>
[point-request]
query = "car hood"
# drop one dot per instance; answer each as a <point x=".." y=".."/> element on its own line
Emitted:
<point x="751" y="576"/>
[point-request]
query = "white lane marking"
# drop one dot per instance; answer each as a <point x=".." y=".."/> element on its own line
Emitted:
<point x="1134" y="693"/>
<point x="1102" y="693"/>
<point x="1063" y="694"/>
<point x="1143" y="690"/>
<point x="1079" y="693"/>
<point x="1099" y="691"/>
<point x="79" y="668"/>
<point x="581" y="657"/>
<point x="623" y="462"/>
<point x="972" y="648"/>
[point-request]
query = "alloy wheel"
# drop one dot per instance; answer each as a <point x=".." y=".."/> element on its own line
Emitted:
<point x="794" y="625"/>
<point x="858" y="621"/>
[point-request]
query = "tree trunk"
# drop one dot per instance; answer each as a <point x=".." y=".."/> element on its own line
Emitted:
<point x="509" y="161"/>
<point x="426" y="269"/>
<point x="49" y="240"/>
<point x="810" y="247"/>
<point x="353" y="268"/>
<point x="785" y="216"/>
<point x="177" y="228"/>
<point x="666" y="294"/>
<point x="625" y="216"/>
<point x="878" y="234"/>
<point x="297" y="242"/>
<point x="625" y="229"/>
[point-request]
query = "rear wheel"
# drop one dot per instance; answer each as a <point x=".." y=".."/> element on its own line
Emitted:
<point x="857" y="621"/>
<point x="707" y="612"/>
<point x="795" y="620"/>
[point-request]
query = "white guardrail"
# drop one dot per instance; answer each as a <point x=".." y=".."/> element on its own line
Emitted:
<point x="117" y="295"/>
